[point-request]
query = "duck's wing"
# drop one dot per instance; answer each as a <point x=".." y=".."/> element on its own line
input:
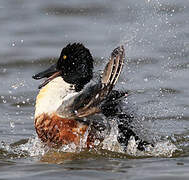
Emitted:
<point x="88" y="101"/>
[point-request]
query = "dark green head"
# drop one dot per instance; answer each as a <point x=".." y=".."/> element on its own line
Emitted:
<point x="75" y="65"/>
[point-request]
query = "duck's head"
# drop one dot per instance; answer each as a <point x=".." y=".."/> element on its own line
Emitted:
<point x="75" y="66"/>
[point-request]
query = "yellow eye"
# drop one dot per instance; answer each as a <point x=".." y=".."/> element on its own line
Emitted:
<point x="64" y="57"/>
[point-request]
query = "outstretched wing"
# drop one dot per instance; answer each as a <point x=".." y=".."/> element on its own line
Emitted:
<point x="87" y="102"/>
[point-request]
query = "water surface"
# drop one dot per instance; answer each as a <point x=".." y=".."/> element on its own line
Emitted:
<point x="156" y="39"/>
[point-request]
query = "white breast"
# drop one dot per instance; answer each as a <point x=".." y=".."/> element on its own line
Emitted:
<point x="51" y="96"/>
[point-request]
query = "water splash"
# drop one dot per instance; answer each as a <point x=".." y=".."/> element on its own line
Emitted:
<point x="165" y="148"/>
<point x="110" y="142"/>
<point x="160" y="149"/>
<point x="34" y="148"/>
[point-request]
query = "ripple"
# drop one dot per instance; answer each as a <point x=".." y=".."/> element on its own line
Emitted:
<point x="18" y="100"/>
<point x="169" y="9"/>
<point x="29" y="63"/>
<point x="165" y="91"/>
<point x="75" y="11"/>
<point x="143" y="61"/>
<point x="181" y="66"/>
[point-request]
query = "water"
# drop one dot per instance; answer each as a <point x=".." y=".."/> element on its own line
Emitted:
<point x="156" y="38"/>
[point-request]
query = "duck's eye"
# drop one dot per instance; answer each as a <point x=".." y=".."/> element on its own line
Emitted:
<point x="64" y="57"/>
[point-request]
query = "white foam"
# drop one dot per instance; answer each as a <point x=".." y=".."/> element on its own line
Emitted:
<point x="35" y="148"/>
<point x="110" y="142"/>
<point x="160" y="149"/>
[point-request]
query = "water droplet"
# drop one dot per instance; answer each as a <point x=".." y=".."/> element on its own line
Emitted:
<point x="96" y="96"/>
<point x="145" y="79"/>
<point x="4" y="70"/>
<point x="12" y="125"/>
<point x="4" y="101"/>
<point x="14" y="86"/>
<point x="97" y="142"/>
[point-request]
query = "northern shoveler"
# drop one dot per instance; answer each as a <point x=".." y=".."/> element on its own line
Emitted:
<point x="67" y="99"/>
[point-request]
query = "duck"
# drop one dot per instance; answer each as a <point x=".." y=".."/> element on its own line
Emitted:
<point x="70" y="102"/>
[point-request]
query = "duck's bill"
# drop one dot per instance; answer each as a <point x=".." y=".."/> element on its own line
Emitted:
<point x="49" y="73"/>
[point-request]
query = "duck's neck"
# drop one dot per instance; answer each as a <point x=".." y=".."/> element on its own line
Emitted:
<point x="51" y="96"/>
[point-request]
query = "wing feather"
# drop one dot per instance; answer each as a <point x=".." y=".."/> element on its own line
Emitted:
<point x="87" y="102"/>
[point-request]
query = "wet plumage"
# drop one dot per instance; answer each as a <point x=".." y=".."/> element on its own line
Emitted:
<point x="67" y="99"/>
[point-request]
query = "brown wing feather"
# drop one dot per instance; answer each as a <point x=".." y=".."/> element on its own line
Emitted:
<point x="114" y="66"/>
<point x="87" y="102"/>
